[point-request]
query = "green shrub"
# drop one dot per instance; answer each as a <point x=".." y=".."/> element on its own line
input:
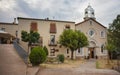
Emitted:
<point x="46" y="50"/>
<point x="37" y="56"/>
<point x="61" y="58"/>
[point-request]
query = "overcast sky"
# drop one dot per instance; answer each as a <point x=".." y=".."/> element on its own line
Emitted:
<point x="70" y="10"/>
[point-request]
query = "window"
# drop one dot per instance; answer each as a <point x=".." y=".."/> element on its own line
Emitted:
<point x="67" y="26"/>
<point x="52" y="28"/>
<point x="52" y="52"/>
<point x="33" y="26"/>
<point x="80" y="51"/>
<point x="102" y="34"/>
<point x="91" y="33"/>
<point x="102" y="48"/>
<point x="2" y="29"/>
<point x="92" y="13"/>
<point x="41" y="41"/>
<point x="52" y="39"/>
<point x="90" y="22"/>
<point x="86" y="12"/>
<point x="67" y="51"/>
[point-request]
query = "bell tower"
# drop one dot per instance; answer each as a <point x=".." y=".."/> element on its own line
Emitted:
<point x="89" y="13"/>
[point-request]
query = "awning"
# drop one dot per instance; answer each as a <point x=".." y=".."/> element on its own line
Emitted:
<point x="5" y="35"/>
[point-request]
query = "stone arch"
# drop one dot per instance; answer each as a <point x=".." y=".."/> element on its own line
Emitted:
<point x="92" y="44"/>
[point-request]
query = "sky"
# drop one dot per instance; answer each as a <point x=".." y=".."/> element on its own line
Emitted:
<point x="68" y="10"/>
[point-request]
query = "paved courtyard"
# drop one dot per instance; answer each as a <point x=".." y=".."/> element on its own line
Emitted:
<point x="87" y="68"/>
<point x="12" y="64"/>
<point x="10" y="61"/>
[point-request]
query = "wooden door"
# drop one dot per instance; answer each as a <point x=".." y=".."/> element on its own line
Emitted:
<point x="91" y="55"/>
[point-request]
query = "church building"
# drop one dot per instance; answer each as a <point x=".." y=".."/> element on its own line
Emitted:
<point x="96" y="34"/>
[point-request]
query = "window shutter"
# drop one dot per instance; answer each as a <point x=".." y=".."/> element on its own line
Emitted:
<point x="52" y="28"/>
<point x="67" y="26"/>
<point x="33" y="26"/>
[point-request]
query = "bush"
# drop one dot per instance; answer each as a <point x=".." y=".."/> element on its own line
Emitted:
<point x="37" y="56"/>
<point x="61" y="58"/>
<point x="46" y="50"/>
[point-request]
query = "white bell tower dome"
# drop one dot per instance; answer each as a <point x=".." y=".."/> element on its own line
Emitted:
<point x="89" y="13"/>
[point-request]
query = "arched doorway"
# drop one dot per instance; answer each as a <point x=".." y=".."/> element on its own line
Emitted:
<point x="91" y="49"/>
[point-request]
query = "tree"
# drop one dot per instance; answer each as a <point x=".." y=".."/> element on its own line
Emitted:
<point x="113" y="45"/>
<point x="37" y="55"/>
<point x="31" y="37"/>
<point x="73" y="40"/>
<point x="46" y="50"/>
<point x="110" y="47"/>
<point x="114" y="33"/>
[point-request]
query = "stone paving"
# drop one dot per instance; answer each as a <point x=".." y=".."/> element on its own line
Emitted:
<point x="87" y="68"/>
<point x="10" y="61"/>
<point x="12" y="64"/>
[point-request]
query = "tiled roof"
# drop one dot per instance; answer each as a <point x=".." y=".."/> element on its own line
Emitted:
<point x="90" y="19"/>
<point x="45" y="20"/>
<point x="5" y="23"/>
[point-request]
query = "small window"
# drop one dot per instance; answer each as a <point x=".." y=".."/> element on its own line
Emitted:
<point x="2" y="29"/>
<point x="102" y="48"/>
<point x="67" y="51"/>
<point x="41" y="41"/>
<point x="80" y="50"/>
<point x="102" y="34"/>
<point x="52" y="39"/>
<point x="86" y="12"/>
<point x="90" y="22"/>
<point x="52" y="52"/>
<point x="67" y="26"/>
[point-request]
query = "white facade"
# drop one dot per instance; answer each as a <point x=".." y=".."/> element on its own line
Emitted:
<point x="96" y="34"/>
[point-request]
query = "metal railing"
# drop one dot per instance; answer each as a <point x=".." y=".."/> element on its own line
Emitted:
<point x="22" y="53"/>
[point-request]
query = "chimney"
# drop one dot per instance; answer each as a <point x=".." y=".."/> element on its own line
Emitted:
<point x="47" y="18"/>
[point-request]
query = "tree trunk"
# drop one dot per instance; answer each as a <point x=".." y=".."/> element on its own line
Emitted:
<point x="72" y="54"/>
<point x="111" y="56"/>
<point x="108" y="58"/>
<point x="29" y="48"/>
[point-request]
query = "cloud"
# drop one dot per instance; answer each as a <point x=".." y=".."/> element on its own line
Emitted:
<point x="73" y="10"/>
<point x="9" y="10"/>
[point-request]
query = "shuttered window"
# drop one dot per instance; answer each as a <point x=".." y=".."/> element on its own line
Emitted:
<point x="67" y="27"/>
<point x="52" y="28"/>
<point x="33" y="26"/>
